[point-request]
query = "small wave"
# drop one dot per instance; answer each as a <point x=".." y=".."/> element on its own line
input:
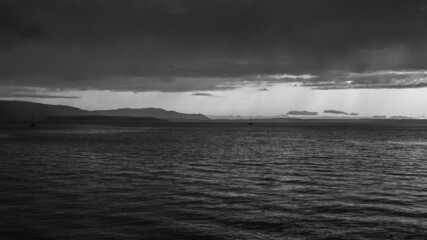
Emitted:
<point x="408" y="143"/>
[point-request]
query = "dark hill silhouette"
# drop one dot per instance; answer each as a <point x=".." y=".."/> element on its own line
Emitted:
<point x="153" y="112"/>
<point x="98" y="118"/>
<point x="25" y="111"/>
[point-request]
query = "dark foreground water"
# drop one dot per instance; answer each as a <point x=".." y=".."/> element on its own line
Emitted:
<point x="212" y="181"/>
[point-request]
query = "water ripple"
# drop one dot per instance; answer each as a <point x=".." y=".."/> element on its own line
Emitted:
<point x="213" y="181"/>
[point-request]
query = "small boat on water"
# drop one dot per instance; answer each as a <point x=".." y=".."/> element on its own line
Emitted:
<point x="250" y="123"/>
<point x="33" y="124"/>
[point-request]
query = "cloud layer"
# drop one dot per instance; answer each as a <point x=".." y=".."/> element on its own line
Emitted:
<point x="203" y="94"/>
<point x="372" y="79"/>
<point x="302" y="113"/>
<point x="191" y="45"/>
<point x="335" y="112"/>
<point x="14" y="92"/>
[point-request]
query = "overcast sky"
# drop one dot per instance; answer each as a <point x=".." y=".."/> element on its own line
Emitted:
<point x="246" y="57"/>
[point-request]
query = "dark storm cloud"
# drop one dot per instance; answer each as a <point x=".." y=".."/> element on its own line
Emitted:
<point x="203" y="94"/>
<point x="122" y="83"/>
<point x="335" y="112"/>
<point x="302" y="113"/>
<point x="17" y="25"/>
<point x="170" y="45"/>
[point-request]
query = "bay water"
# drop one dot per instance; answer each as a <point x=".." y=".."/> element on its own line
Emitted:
<point x="213" y="181"/>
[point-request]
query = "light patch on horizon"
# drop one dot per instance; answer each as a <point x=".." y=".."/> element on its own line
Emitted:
<point x="248" y="100"/>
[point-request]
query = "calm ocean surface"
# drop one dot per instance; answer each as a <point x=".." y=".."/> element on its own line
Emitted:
<point x="212" y="181"/>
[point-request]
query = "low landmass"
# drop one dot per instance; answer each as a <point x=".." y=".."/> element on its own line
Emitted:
<point x="333" y="121"/>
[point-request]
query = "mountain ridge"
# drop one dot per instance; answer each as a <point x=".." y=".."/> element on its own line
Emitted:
<point x="153" y="112"/>
<point x="26" y="111"/>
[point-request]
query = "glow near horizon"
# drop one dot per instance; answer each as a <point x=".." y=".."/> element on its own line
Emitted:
<point x="250" y="101"/>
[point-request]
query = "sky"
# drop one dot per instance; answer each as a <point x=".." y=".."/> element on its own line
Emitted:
<point x="218" y="57"/>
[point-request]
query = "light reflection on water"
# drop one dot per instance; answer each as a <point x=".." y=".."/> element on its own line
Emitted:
<point x="213" y="181"/>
